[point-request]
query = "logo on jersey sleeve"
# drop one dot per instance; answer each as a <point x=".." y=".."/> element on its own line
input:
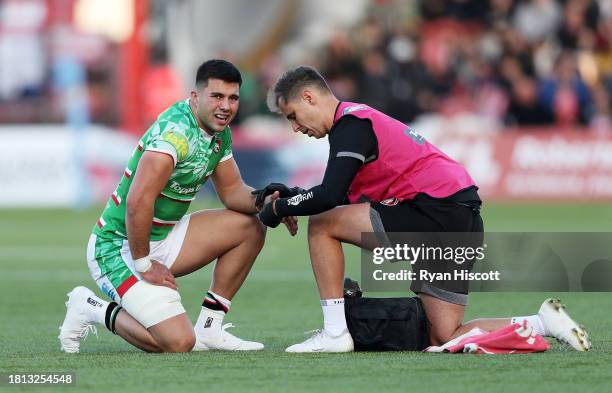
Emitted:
<point x="353" y="108"/>
<point x="179" y="141"/>
<point x="415" y="136"/>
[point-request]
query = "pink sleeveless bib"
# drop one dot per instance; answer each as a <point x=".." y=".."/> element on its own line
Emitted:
<point x="406" y="165"/>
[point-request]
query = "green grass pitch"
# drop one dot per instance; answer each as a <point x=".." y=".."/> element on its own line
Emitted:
<point x="42" y="258"/>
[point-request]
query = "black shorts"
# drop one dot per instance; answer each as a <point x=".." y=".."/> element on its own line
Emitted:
<point x="459" y="212"/>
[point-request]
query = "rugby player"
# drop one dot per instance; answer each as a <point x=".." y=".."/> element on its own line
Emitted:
<point x="144" y="238"/>
<point x="395" y="181"/>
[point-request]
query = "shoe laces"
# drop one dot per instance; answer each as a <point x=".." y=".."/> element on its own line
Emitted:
<point x="227" y="336"/>
<point x="315" y="334"/>
<point x="88" y="329"/>
<point x="73" y="345"/>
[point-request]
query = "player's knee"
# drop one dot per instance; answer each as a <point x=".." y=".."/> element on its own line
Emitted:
<point x="185" y="344"/>
<point x="317" y="224"/>
<point x="247" y="228"/>
<point x="181" y="343"/>
<point x="151" y="304"/>
<point x="255" y="229"/>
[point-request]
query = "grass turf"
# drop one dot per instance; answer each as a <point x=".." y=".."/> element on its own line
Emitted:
<point x="42" y="258"/>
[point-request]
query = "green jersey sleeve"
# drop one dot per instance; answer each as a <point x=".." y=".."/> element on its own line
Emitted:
<point x="227" y="146"/>
<point x="172" y="141"/>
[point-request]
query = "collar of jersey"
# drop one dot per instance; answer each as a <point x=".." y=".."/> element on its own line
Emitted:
<point x="205" y="135"/>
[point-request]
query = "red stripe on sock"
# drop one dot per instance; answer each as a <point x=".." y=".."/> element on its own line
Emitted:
<point x="216" y="303"/>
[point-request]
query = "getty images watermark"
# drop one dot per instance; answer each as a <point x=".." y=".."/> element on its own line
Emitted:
<point x="461" y="262"/>
<point x="431" y="254"/>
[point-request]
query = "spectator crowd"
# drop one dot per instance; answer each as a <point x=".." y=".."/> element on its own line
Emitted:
<point x="522" y="62"/>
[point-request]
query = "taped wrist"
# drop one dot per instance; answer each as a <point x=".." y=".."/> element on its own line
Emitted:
<point x="142" y="264"/>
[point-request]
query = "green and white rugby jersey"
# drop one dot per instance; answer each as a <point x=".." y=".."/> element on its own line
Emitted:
<point x="195" y="154"/>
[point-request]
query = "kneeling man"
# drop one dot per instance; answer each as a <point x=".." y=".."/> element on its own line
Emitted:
<point x="395" y="181"/>
<point x="144" y="238"/>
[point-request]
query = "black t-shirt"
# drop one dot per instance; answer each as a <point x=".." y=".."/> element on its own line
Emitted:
<point x="352" y="143"/>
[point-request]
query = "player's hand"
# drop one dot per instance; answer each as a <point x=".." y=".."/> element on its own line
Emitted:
<point x="159" y="274"/>
<point x="267" y="215"/>
<point x="292" y="224"/>
<point x="272" y="197"/>
<point x="283" y="191"/>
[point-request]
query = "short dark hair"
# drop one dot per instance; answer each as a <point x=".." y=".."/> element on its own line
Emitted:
<point x="218" y="69"/>
<point x="292" y="82"/>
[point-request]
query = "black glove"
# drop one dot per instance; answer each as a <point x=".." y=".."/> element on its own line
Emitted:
<point x="284" y="192"/>
<point x="268" y="217"/>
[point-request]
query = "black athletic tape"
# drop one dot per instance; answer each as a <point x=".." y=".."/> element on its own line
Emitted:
<point x="114" y="318"/>
<point x="111" y="316"/>
<point x="108" y="316"/>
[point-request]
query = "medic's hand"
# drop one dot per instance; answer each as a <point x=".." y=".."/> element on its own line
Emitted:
<point x="283" y="192"/>
<point x="268" y="217"/>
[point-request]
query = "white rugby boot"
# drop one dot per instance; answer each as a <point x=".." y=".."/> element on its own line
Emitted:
<point x="78" y="323"/>
<point x="561" y="326"/>
<point x="208" y="339"/>
<point x="322" y="341"/>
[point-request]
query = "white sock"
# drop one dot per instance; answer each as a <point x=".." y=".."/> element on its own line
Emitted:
<point x="96" y="309"/>
<point x="212" y="313"/>
<point x="209" y="321"/>
<point x="334" y="320"/>
<point x="534" y="321"/>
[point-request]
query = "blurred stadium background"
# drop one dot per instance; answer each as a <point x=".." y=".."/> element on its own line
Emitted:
<point x="519" y="91"/>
